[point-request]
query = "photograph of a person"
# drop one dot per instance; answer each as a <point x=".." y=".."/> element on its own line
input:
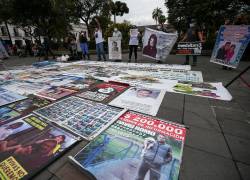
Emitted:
<point x="144" y="93"/>
<point x="226" y="52"/>
<point x="115" y="46"/>
<point x="150" y="48"/>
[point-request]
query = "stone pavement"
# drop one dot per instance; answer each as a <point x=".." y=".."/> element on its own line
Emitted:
<point x="218" y="140"/>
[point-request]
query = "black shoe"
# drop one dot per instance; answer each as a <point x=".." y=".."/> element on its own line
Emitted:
<point x="185" y="63"/>
<point x="159" y="62"/>
<point x="99" y="60"/>
<point x="129" y="60"/>
<point x="194" y="64"/>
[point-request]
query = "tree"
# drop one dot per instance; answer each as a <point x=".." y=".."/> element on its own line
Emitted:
<point x="87" y="9"/>
<point x="157" y="12"/>
<point x="51" y="17"/>
<point x="118" y="8"/>
<point x="162" y="19"/>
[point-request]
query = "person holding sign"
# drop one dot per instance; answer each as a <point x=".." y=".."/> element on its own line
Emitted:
<point x="117" y="34"/>
<point x="193" y="34"/>
<point x="133" y="42"/>
<point x="99" y="41"/>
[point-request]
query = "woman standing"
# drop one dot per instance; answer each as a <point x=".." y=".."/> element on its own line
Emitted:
<point x="84" y="44"/>
<point x="133" y="42"/>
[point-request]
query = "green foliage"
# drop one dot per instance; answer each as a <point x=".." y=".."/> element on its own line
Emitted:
<point x="157" y="12"/>
<point x="118" y="8"/>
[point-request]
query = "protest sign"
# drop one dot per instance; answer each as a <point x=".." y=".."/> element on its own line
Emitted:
<point x="140" y="99"/>
<point x="230" y="45"/>
<point x="83" y="117"/>
<point x="115" y="50"/>
<point x="135" y="147"/>
<point x="157" y="44"/>
<point x="189" y="48"/>
<point x="29" y="144"/>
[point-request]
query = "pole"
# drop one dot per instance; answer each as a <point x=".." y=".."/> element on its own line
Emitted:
<point x="6" y="24"/>
<point x="238" y="76"/>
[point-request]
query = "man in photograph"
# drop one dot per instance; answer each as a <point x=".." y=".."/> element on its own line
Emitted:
<point x="155" y="155"/>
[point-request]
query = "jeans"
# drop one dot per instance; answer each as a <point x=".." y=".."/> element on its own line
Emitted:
<point x="84" y="48"/>
<point x="194" y="59"/>
<point x="100" y="51"/>
<point x="131" y="49"/>
<point x="154" y="170"/>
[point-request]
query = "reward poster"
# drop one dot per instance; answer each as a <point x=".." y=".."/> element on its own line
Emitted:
<point x="157" y="44"/>
<point x="230" y="45"/>
<point x="135" y="147"/>
<point x="115" y="51"/>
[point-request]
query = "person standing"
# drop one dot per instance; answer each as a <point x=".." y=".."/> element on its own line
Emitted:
<point x="193" y="35"/>
<point x="99" y="41"/>
<point x="84" y="44"/>
<point x="133" y="42"/>
<point x="28" y="47"/>
<point x="117" y="34"/>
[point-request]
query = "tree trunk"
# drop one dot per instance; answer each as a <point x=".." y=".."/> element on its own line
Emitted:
<point x="114" y="19"/>
<point x="6" y="24"/>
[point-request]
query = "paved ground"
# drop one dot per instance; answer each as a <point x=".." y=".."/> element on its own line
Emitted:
<point x="218" y="141"/>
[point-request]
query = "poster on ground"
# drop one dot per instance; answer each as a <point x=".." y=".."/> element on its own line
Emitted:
<point x="135" y="147"/>
<point x="29" y="144"/>
<point x="7" y="97"/>
<point x="81" y="84"/>
<point x="103" y="92"/>
<point x="140" y="99"/>
<point x="189" y="48"/>
<point x="157" y="44"/>
<point x="230" y="45"/>
<point x="83" y="117"/>
<point x="55" y="93"/>
<point x="208" y="90"/>
<point x="28" y="105"/>
<point x="7" y="114"/>
<point x="115" y="50"/>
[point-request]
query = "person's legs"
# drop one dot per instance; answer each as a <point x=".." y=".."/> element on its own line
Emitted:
<point x="86" y="50"/>
<point x="194" y="60"/>
<point x="187" y="60"/>
<point x="98" y="51"/>
<point x="142" y="171"/>
<point x="82" y="48"/>
<point x="135" y="51"/>
<point x="102" y="51"/>
<point x="155" y="173"/>
<point x="130" y="52"/>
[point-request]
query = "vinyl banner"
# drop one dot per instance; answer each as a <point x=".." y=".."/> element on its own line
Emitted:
<point x="189" y="48"/>
<point x="157" y="44"/>
<point x="135" y="147"/>
<point x="230" y="45"/>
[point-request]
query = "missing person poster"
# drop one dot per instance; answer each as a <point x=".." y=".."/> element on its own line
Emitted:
<point x="28" y="144"/>
<point x="157" y="44"/>
<point x="230" y="45"/>
<point x="189" y="48"/>
<point x="140" y="99"/>
<point x="115" y="50"/>
<point x="135" y="147"/>
<point x="83" y="117"/>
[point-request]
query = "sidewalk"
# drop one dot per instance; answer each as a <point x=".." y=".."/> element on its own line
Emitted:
<point x="218" y="140"/>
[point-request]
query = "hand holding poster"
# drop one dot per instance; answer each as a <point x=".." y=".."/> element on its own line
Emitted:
<point x="115" y="51"/>
<point x="140" y="99"/>
<point x="230" y="45"/>
<point x="189" y="48"/>
<point x="135" y="147"/>
<point x="157" y="44"/>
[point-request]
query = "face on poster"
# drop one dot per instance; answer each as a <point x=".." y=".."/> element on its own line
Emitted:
<point x="114" y="48"/>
